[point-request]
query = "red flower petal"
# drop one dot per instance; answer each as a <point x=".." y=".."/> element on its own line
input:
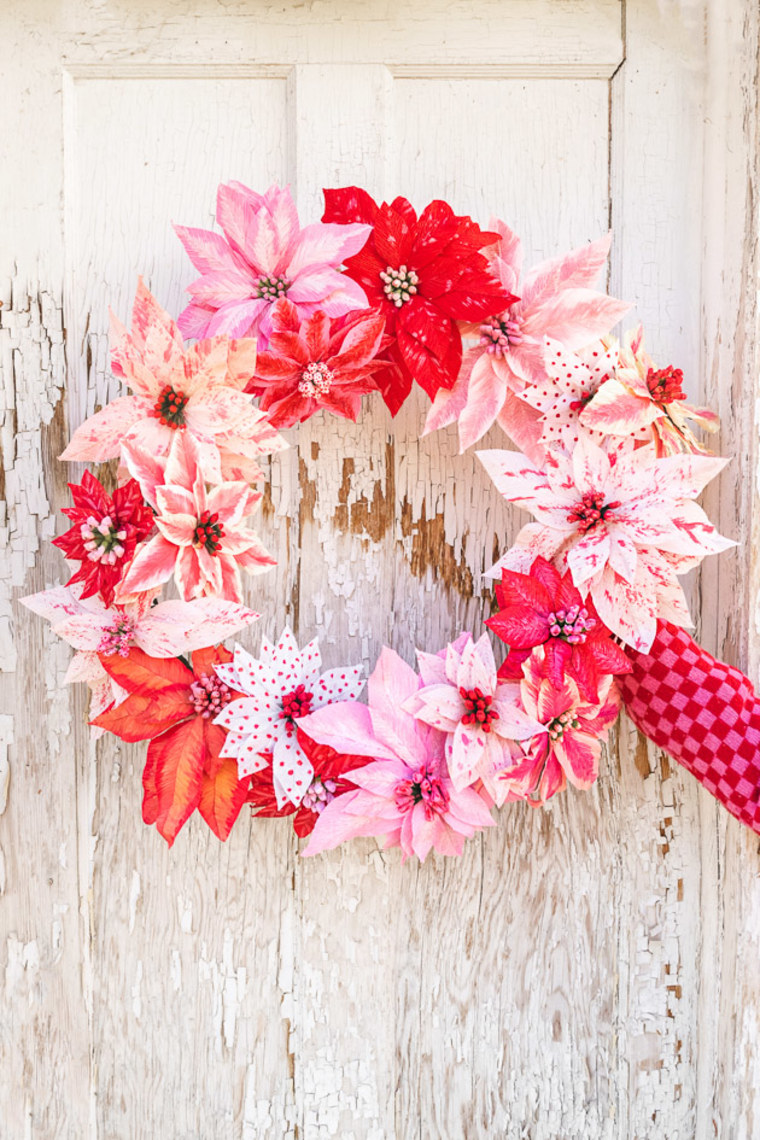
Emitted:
<point x="349" y="204"/>
<point x="222" y="797"/>
<point x="173" y="777"/>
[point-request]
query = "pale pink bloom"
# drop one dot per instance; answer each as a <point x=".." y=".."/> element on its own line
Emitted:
<point x="266" y="255"/>
<point x="405" y="794"/>
<point x="555" y="301"/>
<point x="623" y="521"/>
<point x="201" y="538"/>
<point x="198" y="392"/>
<point x="481" y="716"/>
<point x="281" y="687"/>
<point x="569" y="745"/>
<point x="638" y="396"/>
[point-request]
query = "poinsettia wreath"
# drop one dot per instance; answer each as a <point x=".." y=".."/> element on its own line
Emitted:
<point x="288" y="321"/>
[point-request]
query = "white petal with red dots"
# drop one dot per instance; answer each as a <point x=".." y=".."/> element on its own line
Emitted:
<point x="292" y="771"/>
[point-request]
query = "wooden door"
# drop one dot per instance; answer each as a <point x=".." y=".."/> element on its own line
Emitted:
<point x="586" y="971"/>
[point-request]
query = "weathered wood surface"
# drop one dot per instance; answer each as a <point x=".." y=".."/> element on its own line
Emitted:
<point x="589" y="971"/>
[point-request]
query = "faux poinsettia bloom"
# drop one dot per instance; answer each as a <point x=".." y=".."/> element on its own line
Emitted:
<point x="543" y="607"/>
<point x="201" y="538"/>
<point x="326" y="784"/>
<point x="638" y="396"/>
<point x="279" y="688"/>
<point x="317" y="363"/>
<point x="265" y="255"/>
<point x="173" y="707"/>
<point x="481" y="717"/>
<point x="622" y="521"/>
<point x="569" y="747"/>
<point x="555" y="301"/>
<point x="198" y="391"/>
<point x="105" y="533"/>
<point x="405" y="794"/>
<point x="423" y="274"/>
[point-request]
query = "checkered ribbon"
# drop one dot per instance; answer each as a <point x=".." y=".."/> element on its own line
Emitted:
<point x="703" y="713"/>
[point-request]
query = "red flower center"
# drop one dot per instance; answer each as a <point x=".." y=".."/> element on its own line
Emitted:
<point x="209" y="532"/>
<point x="209" y="695"/>
<point x="590" y="511"/>
<point x="316" y="380"/>
<point x="270" y="288"/>
<point x="118" y="638"/>
<point x="561" y="724"/>
<point x="478" y="709"/>
<point x="294" y="705"/>
<point x="497" y="335"/>
<point x="399" y="285"/>
<point x="423" y="788"/>
<point x="573" y="625"/>
<point x="170" y="407"/>
<point x="665" y="385"/>
<point x="103" y="540"/>
<point x="319" y="794"/>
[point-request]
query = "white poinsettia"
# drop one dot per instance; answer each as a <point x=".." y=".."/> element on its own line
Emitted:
<point x="281" y="686"/>
<point x="623" y="521"/>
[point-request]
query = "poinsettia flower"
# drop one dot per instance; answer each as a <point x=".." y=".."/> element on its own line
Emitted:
<point x="405" y="794"/>
<point x="279" y="688"/>
<point x="555" y="301"/>
<point x="326" y="784"/>
<point x="317" y="363"/>
<point x="423" y="274"/>
<point x="201" y="538"/>
<point x="173" y="707"/>
<point x="198" y="391"/>
<point x="543" y="607"/>
<point x="105" y="533"/>
<point x="623" y="521"/>
<point x="638" y="396"/>
<point x="266" y="255"/>
<point x="480" y="716"/>
<point x="569" y="747"/>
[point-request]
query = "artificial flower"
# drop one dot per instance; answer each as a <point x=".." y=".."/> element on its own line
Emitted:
<point x="173" y="707"/>
<point x="623" y="521"/>
<point x="317" y="363"/>
<point x="639" y="396"/>
<point x="543" y="607"/>
<point x="279" y="688"/>
<point x="201" y="538"/>
<point x="405" y="793"/>
<point x="554" y="301"/>
<point x="105" y="533"/>
<point x="198" y="391"/>
<point x="266" y="255"/>
<point x="480" y="716"/>
<point x="423" y="274"/>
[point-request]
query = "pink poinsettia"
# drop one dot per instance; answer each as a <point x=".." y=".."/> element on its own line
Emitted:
<point x="638" y="396"/>
<point x="555" y="300"/>
<point x="623" y="521"/>
<point x="201" y="538"/>
<point x="569" y="747"/>
<point x="405" y="793"/>
<point x="198" y="392"/>
<point x="481" y="717"/>
<point x="317" y="363"/>
<point x="543" y="607"/>
<point x="265" y="255"/>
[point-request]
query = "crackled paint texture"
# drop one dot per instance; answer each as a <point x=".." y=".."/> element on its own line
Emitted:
<point x="588" y="972"/>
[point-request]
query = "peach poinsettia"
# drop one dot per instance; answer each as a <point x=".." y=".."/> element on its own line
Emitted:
<point x="622" y="520"/>
<point x="196" y="391"/>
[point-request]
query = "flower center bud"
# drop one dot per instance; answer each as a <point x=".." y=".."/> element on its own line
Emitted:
<point x="319" y="794"/>
<point x="497" y="335"/>
<point x="665" y="385"/>
<point x="103" y="540"/>
<point x="399" y="285"/>
<point x="208" y="532"/>
<point x="294" y="705"/>
<point x="423" y="788"/>
<point x="270" y="288"/>
<point x="561" y="724"/>
<point x="590" y="511"/>
<point x="316" y="380"/>
<point x="118" y="638"/>
<point x="170" y="407"/>
<point x="573" y="625"/>
<point x="478" y="711"/>
<point x="209" y="695"/>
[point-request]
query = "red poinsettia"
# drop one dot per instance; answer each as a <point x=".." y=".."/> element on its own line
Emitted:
<point x="104" y="535"/>
<point x="173" y="707"/>
<point x="543" y="607"/>
<point x="326" y="784"/>
<point x="317" y="363"/>
<point x="424" y="274"/>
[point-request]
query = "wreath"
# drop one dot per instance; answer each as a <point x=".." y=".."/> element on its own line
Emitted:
<point x="287" y="321"/>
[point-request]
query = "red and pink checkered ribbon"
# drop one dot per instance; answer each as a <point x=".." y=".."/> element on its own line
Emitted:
<point x="702" y="712"/>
